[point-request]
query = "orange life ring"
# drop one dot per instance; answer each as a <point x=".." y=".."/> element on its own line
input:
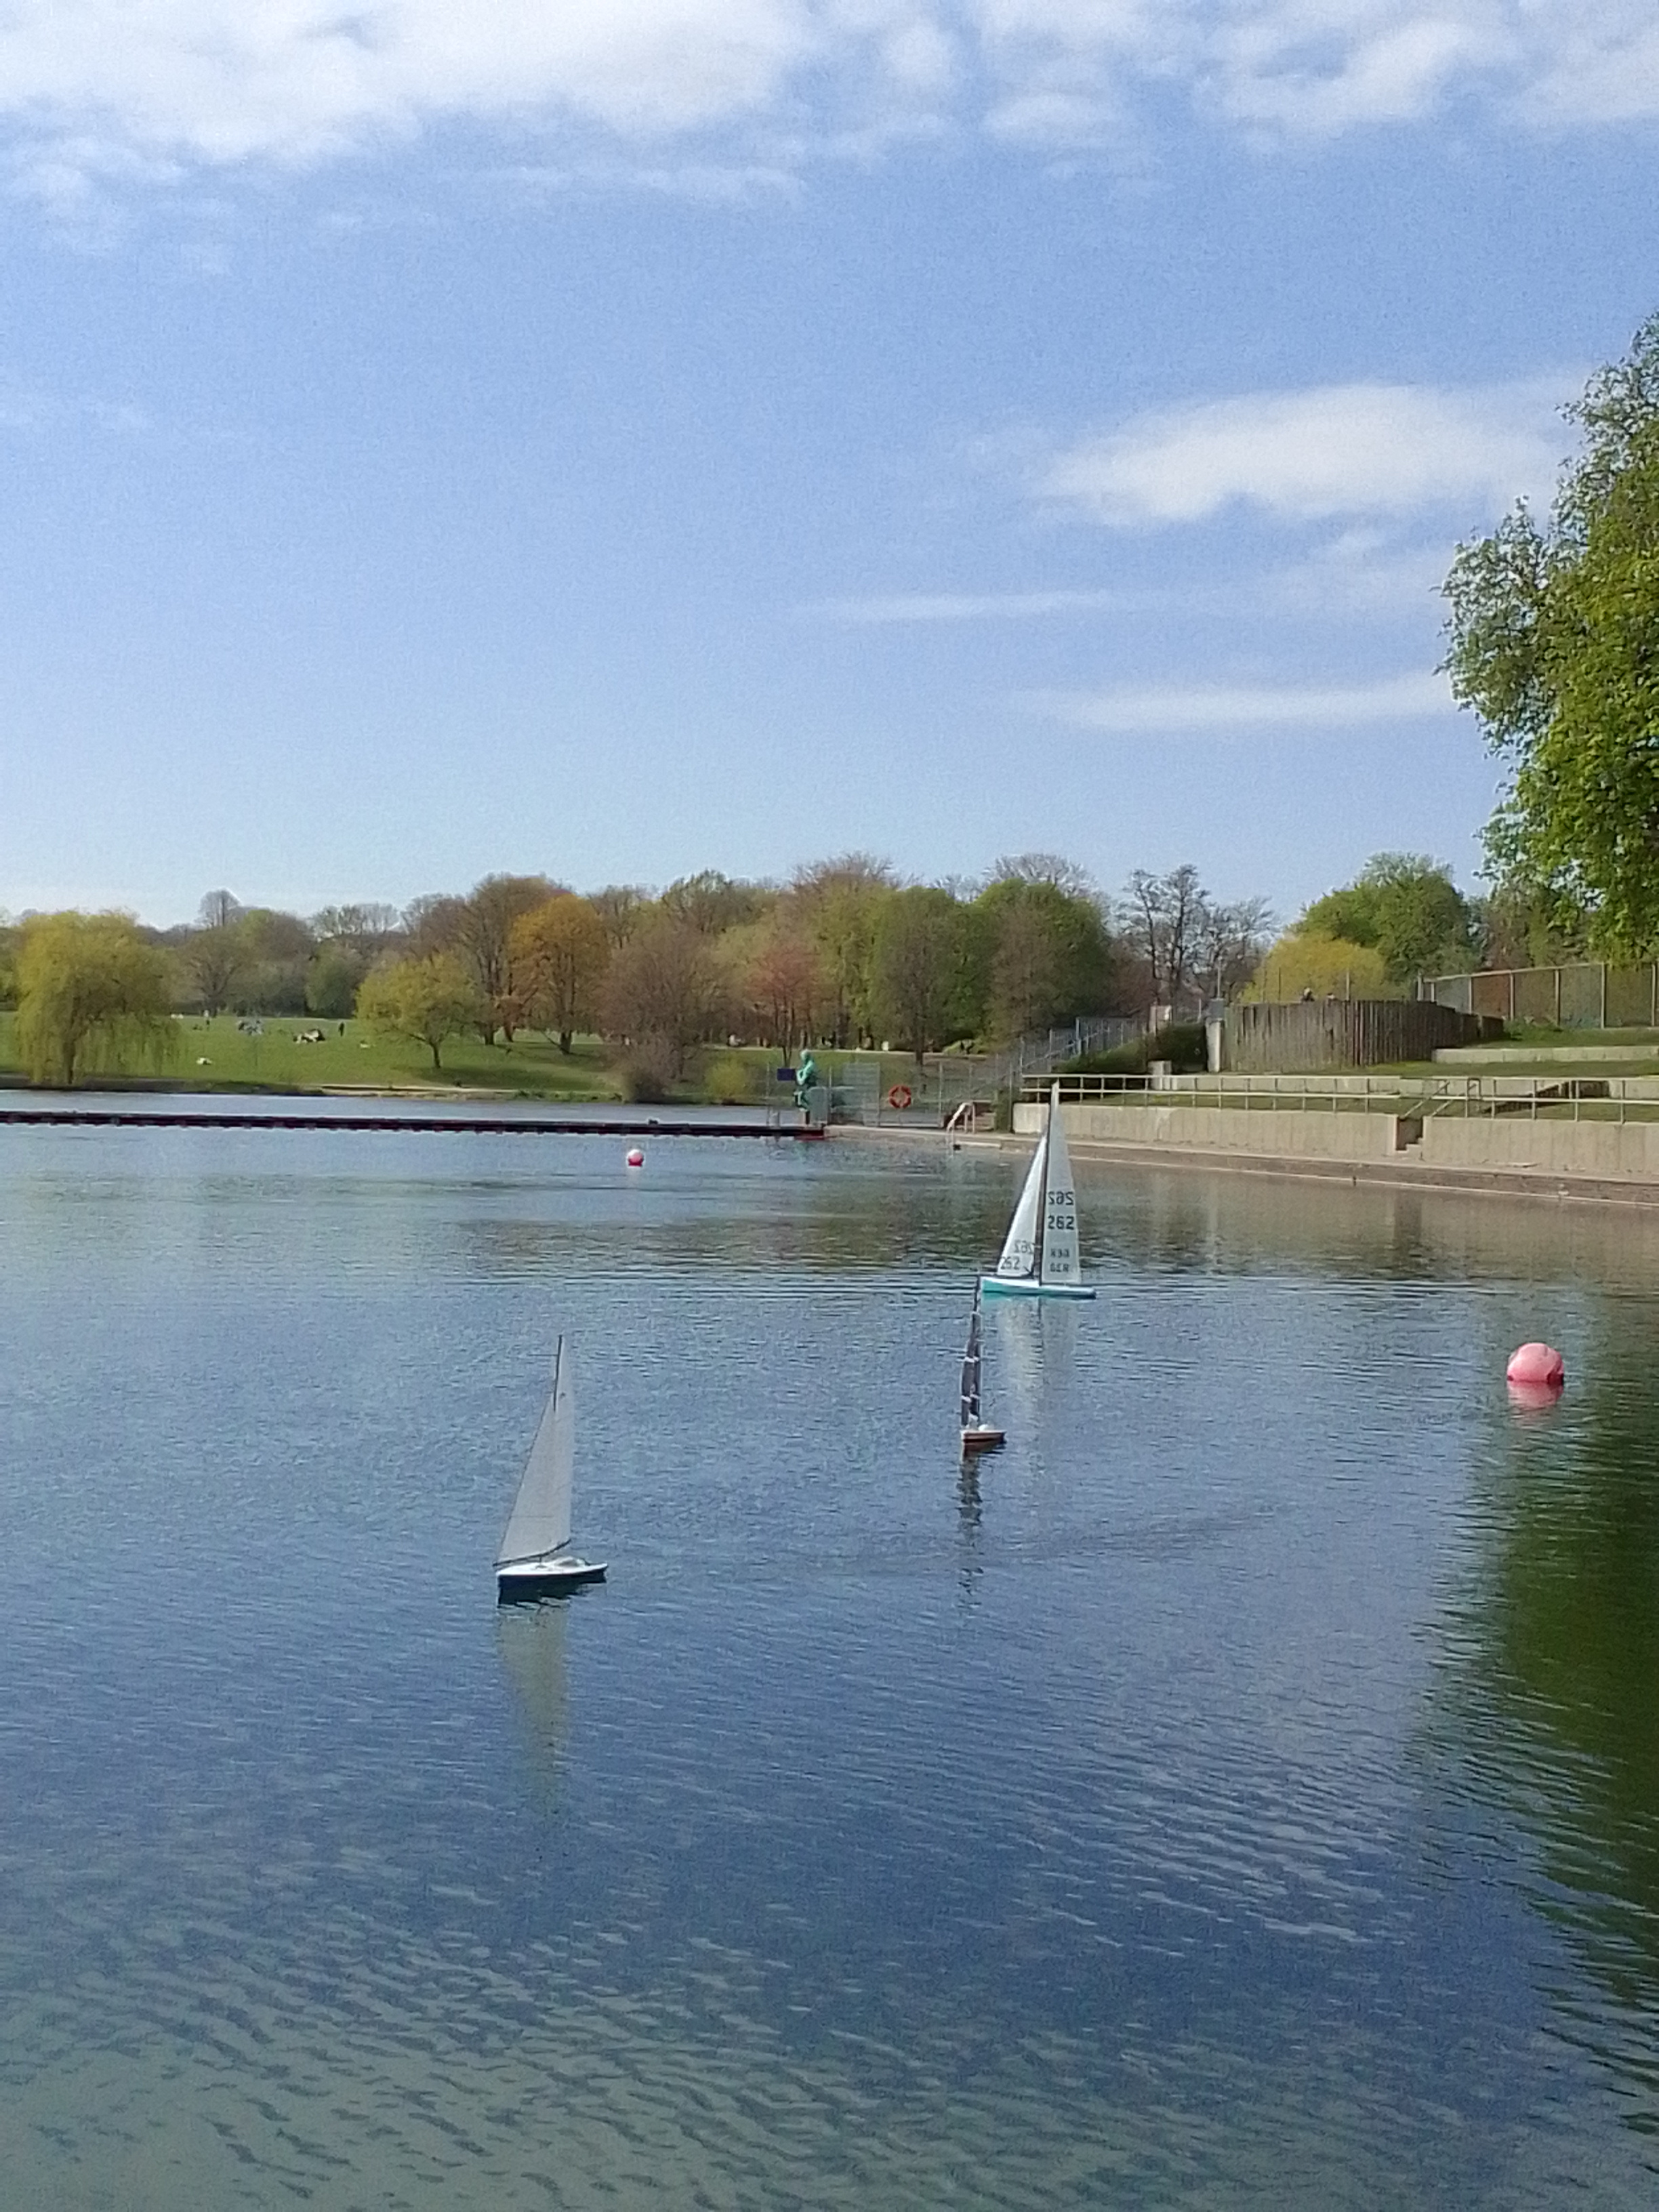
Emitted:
<point x="899" y="1097"/>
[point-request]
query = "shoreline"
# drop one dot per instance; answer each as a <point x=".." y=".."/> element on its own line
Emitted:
<point x="1398" y="1174"/>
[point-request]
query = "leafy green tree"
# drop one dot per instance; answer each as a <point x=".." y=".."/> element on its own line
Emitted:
<point x="279" y="947"/>
<point x="920" y="968"/>
<point x="424" y="999"/>
<point x="1555" y="644"/>
<point x="839" y="900"/>
<point x="9" y="942"/>
<point x="89" y="988"/>
<point x="332" y="981"/>
<point x="1405" y="906"/>
<point x="1050" y="957"/>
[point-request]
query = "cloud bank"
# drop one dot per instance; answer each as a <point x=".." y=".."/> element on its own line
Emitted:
<point x="1352" y="450"/>
<point x="143" y="85"/>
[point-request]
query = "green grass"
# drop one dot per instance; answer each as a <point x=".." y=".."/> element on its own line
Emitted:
<point x="531" y="1067"/>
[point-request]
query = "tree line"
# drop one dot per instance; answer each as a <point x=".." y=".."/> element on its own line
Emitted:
<point x="844" y="953"/>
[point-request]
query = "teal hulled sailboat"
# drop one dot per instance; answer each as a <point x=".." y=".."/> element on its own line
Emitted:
<point x="1040" y="1252"/>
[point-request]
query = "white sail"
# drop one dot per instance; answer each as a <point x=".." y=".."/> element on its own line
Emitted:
<point x="1019" y="1250"/>
<point x="1060" y="1261"/>
<point x="539" y="1523"/>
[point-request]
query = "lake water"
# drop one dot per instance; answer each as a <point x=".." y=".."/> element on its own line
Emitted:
<point x="1244" y="1791"/>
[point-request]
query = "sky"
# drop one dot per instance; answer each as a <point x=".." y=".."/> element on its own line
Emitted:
<point x="616" y="438"/>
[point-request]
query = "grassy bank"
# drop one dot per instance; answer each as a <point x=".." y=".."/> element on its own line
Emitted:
<point x="216" y="1055"/>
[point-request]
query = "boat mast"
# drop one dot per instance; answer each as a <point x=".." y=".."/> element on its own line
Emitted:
<point x="1042" y="1188"/>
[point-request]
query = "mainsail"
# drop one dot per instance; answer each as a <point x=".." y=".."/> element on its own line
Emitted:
<point x="1060" y="1262"/>
<point x="539" y="1523"/>
<point x="970" y="1367"/>
<point x="1019" y="1250"/>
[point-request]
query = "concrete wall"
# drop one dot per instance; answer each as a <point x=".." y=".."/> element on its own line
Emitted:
<point x="1616" y="1150"/>
<point x="1286" y="1135"/>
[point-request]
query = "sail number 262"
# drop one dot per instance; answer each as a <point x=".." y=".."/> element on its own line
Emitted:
<point x="1061" y="1213"/>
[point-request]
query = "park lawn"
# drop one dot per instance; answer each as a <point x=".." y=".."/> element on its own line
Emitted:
<point x="216" y="1055"/>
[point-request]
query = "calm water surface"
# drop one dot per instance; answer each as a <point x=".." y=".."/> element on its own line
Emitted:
<point x="1244" y="1791"/>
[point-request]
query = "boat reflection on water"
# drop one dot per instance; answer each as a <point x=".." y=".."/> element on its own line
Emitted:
<point x="532" y="1642"/>
<point x="1556" y="1705"/>
<point x="969" y="1534"/>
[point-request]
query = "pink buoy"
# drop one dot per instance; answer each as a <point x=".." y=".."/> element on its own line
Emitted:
<point x="636" y="1157"/>
<point x="1537" y="1366"/>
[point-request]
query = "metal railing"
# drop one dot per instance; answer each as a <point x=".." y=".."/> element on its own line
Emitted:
<point x="1613" y="1097"/>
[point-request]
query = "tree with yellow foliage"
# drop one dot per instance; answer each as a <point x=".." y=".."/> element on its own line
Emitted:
<point x="559" y="952"/>
<point x="89" y="988"/>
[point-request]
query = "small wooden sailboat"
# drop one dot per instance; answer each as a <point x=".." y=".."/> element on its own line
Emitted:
<point x="1040" y="1252"/>
<point x="978" y="1435"/>
<point x="536" y="1560"/>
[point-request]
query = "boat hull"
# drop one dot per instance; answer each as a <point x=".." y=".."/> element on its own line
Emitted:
<point x="1027" y="1286"/>
<point x="552" y="1578"/>
<point x="975" y="1441"/>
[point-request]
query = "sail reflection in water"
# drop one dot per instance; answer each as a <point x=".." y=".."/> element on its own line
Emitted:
<point x="532" y="1638"/>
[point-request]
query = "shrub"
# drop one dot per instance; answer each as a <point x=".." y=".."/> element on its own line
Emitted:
<point x="1183" y="1044"/>
<point x="729" y="1080"/>
<point x="646" y="1072"/>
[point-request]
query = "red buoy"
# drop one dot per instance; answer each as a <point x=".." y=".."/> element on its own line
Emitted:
<point x="1538" y="1366"/>
<point x="636" y="1157"/>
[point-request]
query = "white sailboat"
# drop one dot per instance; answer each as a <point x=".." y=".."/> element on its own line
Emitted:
<point x="977" y="1434"/>
<point x="536" y="1560"/>
<point x="1040" y="1252"/>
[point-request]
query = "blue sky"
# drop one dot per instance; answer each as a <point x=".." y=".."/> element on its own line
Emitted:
<point x="619" y="440"/>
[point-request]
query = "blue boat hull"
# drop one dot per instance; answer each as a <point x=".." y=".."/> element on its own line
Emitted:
<point x="1026" y="1286"/>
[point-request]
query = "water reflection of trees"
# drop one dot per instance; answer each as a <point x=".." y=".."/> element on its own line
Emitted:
<point x="1555" y="1716"/>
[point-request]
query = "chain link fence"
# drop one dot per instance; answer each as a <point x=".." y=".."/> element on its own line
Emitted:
<point x="1580" y="995"/>
<point x="884" y="1088"/>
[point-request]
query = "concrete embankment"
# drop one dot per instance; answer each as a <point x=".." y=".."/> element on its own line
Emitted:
<point x="1311" y="1135"/>
<point x="1597" y="1160"/>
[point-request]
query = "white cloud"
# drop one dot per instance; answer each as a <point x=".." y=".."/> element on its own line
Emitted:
<point x="969" y="606"/>
<point x="1224" y="708"/>
<point x="1385" y="450"/>
<point x="1313" y="68"/>
<point x="131" y="88"/>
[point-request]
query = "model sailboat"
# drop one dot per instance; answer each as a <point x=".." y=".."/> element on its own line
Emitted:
<point x="977" y="1434"/>
<point x="1040" y="1252"/>
<point x="536" y="1560"/>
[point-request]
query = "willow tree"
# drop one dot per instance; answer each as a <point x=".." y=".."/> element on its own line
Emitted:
<point x="90" y="991"/>
<point x="1555" y="644"/>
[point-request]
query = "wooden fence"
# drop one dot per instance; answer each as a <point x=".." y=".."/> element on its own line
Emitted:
<point x="1321" y="1033"/>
